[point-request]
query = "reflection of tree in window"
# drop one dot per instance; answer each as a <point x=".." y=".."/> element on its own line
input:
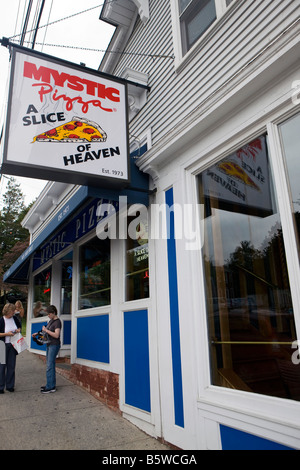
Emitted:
<point x="289" y="133"/>
<point x="95" y="273"/>
<point x="250" y="312"/>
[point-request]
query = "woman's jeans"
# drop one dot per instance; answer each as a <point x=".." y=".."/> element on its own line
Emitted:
<point x="52" y="351"/>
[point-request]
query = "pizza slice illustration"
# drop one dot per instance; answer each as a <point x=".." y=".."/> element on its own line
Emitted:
<point x="235" y="171"/>
<point x="77" y="130"/>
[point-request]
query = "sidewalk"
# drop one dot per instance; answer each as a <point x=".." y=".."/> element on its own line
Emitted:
<point x="70" y="419"/>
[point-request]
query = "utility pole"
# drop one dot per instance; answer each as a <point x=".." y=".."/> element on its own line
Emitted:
<point x="36" y="27"/>
<point x="38" y="23"/>
<point x="26" y="23"/>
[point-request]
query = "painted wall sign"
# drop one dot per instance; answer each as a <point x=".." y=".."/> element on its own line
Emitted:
<point x="81" y="224"/>
<point x="65" y="122"/>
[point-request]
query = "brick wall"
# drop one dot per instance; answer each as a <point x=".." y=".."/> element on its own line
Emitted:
<point x="102" y="384"/>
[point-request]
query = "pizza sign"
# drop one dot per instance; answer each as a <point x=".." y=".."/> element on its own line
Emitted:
<point x="65" y="123"/>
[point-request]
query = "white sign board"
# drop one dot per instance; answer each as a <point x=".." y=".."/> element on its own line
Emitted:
<point x="65" y="122"/>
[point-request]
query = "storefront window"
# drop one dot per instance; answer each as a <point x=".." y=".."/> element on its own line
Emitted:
<point x="137" y="263"/>
<point x="250" y="312"/>
<point x="41" y="293"/>
<point x="66" y="284"/>
<point x="94" y="259"/>
<point x="290" y="136"/>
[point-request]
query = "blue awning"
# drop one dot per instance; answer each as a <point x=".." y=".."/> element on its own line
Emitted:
<point x="19" y="272"/>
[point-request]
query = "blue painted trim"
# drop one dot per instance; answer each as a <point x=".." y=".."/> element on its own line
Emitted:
<point x="233" y="439"/>
<point x="67" y="331"/>
<point x="16" y="272"/>
<point x="174" y="313"/>
<point x="136" y="358"/>
<point x="93" y="338"/>
<point x="35" y="328"/>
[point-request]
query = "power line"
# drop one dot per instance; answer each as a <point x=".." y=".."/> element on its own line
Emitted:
<point x="153" y="56"/>
<point x="61" y="19"/>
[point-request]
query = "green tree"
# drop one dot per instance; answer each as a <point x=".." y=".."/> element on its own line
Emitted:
<point x="12" y="212"/>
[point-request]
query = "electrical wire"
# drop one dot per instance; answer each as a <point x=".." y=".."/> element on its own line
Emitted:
<point x="153" y="56"/>
<point x="141" y="54"/>
<point x="50" y="11"/>
<point x="17" y="17"/>
<point x="63" y="19"/>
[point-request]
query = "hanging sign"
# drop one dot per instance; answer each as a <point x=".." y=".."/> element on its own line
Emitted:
<point x="65" y="122"/>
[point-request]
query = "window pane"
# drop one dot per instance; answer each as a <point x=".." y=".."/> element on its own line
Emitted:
<point x="94" y="259"/>
<point x="291" y="144"/>
<point x="66" y="286"/>
<point x="195" y="20"/>
<point x="183" y="4"/>
<point x="137" y="263"/>
<point x="197" y="25"/>
<point x="250" y="312"/>
<point x="41" y="293"/>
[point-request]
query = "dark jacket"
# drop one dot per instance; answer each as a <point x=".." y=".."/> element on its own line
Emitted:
<point x="2" y="325"/>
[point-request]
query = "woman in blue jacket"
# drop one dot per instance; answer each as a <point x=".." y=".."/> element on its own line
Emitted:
<point x="9" y="326"/>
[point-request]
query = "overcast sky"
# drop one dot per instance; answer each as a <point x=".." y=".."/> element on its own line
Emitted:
<point x="81" y="31"/>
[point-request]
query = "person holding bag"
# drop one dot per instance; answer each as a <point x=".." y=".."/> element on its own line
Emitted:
<point x="52" y="329"/>
<point x="9" y="326"/>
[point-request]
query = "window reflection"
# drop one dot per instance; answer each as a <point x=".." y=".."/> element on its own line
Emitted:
<point x="66" y="284"/>
<point x="250" y="313"/>
<point x="41" y="293"/>
<point x="94" y="261"/>
<point x="137" y="262"/>
<point x="289" y="131"/>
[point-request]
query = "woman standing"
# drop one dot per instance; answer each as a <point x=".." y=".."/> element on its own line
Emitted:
<point x="19" y="311"/>
<point x="52" y="329"/>
<point x="9" y="326"/>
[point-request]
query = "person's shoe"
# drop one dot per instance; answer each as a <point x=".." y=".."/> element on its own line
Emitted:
<point x="1" y="391"/>
<point x="11" y="389"/>
<point x="48" y="390"/>
<point x="43" y="387"/>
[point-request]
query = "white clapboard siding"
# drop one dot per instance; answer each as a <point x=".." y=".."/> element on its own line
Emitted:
<point x="225" y="55"/>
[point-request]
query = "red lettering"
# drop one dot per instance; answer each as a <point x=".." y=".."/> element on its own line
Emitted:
<point x="90" y="87"/>
<point x="73" y="82"/>
<point x="110" y="94"/>
<point x="59" y="79"/>
<point x="44" y="90"/>
<point x="30" y="71"/>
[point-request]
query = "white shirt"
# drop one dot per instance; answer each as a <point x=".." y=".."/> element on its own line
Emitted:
<point x="10" y="325"/>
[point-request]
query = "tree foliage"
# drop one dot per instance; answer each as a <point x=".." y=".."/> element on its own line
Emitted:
<point x="13" y="237"/>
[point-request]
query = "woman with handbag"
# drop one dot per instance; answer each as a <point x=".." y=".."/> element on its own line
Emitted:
<point x="9" y="326"/>
<point x="52" y="329"/>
